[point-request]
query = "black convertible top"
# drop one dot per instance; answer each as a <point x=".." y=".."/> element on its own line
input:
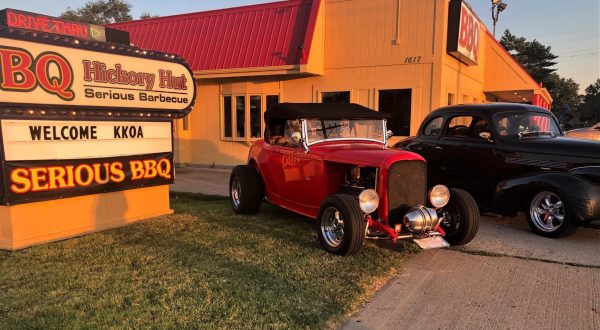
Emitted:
<point x="287" y="111"/>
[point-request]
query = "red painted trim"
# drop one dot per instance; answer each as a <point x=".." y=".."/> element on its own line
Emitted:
<point x="310" y="30"/>
<point x="239" y="10"/>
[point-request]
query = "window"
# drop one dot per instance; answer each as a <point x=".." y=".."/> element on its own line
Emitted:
<point x="467" y="127"/>
<point x="450" y="99"/>
<point x="433" y="127"/>
<point x="397" y="102"/>
<point x="335" y="97"/>
<point x="466" y="99"/>
<point x="240" y="116"/>
<point x="527" y="124"/>
<point x="255" y="116"/>
<point x="243" y="115"/>
<point x="227" y="117"/>
<point x="272" y="100"/>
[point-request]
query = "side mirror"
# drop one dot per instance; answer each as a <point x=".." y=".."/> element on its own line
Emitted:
<point x="389" y="133"/>
<point x="486" y="136"/>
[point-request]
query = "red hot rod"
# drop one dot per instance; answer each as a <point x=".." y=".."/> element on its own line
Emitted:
<point x="330" y="162"/>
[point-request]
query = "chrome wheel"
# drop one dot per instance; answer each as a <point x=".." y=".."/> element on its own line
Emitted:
<point x="236" y="191"/>
<point x="547" y="211"/>
<point x="332" y="227"/>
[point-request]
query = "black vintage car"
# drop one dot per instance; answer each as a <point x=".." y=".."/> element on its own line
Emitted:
<point x="513" y="157"/>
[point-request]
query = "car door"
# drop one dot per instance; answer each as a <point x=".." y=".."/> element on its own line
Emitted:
<point x="467" y="159"/>
<point x="427" y="144"/>
<point x="293" y="176"/>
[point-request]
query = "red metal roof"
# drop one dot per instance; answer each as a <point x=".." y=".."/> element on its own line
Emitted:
<point x="271" y="34"/>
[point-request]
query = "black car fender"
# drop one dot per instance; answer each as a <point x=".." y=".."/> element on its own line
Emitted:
<point x="578" y="191"/>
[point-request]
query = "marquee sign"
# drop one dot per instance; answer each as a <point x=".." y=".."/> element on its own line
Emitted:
<point x="26" y="140"/>
<point x="463" y="33"/>
<point x="35" y="181"/>
<point x="41" y="72"/>
<point x="95" y="157"/>
<point x="42" y="23"/>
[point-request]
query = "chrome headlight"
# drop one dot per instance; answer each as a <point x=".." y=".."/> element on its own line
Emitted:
<point x="368" y="201"/>
<point x="439" y="196"/>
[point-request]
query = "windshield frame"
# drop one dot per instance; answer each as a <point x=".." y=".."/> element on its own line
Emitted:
<point x="497" y="116"/>
<point x="307" y="144"/>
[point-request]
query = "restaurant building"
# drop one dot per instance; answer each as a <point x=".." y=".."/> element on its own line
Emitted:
<point x="404" y="57"/>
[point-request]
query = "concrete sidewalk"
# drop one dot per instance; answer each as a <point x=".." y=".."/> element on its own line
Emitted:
<point x="208" y="181"/>
<point x="444" y="289"/>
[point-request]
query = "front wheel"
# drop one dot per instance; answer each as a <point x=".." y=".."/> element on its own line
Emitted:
<point x="547" y="215"/>
<point x="341" y="225"/>
<point x="461" y="218"/>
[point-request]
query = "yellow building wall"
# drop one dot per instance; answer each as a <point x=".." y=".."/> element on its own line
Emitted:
<point x="366" y="46"/>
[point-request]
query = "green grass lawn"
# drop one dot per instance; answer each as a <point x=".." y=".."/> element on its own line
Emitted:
<point x="202" y="267"/>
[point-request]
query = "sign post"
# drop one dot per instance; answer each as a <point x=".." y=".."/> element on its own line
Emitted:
<point x="86" y="130"/>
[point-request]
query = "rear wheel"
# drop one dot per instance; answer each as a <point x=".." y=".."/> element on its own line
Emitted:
<point x="547" y="215"/>
<point x="461" y="218"/>
<point x="341" y="225"/>
<point x="245" y="191"/>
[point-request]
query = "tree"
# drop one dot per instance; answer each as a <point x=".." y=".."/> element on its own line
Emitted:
<point x="146" y="15"/>
<point x="536" y="58"/>
<point x="589" y="109"/>
<point x="565" y="93"/>
<point x="100" y="12"/>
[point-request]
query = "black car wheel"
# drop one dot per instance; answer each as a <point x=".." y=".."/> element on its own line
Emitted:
<point x="245" y="190"/>
<point x="461" y="218"/>
<point x="547" y="215"/>
<point x="341" y="225"/>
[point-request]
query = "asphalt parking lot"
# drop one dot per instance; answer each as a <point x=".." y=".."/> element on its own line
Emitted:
<point x="507" y="277"/>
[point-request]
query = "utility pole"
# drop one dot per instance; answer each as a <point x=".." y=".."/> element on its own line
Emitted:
<point x="497" y="7"/>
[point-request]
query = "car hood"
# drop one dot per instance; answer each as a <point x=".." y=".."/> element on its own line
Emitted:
<point x="563" y="149"/>
<point x="368" y="154"/>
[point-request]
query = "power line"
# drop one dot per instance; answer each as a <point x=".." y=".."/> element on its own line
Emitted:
<point x="562" y="33"/>
<point x="561" y="41"/>
<point x="573" y="57"/>
<point x="578" y="51"/>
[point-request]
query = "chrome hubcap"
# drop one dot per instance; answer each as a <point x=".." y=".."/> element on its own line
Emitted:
<point x="547" y="211"/>
<point x="332" y="226"/>
<point x="236" y="191"/>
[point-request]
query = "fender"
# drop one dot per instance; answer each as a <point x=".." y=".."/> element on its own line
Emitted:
<point x="590" y="172"/>
<point x="578" y="191"/>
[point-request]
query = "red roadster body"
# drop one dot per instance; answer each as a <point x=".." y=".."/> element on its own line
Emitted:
<point x="331" y="162"/>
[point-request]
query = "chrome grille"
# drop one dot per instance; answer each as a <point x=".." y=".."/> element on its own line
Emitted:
<point x="407" y="187"/>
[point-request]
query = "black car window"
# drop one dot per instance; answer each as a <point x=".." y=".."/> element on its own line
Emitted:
<point x="433" y="128"/>
<point x="467" y="127"/>
<point x="526" y="124"/>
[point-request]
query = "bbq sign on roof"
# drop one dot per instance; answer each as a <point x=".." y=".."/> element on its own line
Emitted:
<point x="38" y="70"/>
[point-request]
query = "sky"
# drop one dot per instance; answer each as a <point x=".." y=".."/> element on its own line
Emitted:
<point x="570" y="27"/>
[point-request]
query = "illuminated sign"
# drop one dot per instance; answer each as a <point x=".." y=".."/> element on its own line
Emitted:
<point x="463" y="33"/>
<point x="47" y="140"/>
<point x="35" y="181"/>
<point x="45" y="160"/>
<point x="37" y="73"/>
<point x="42" y="23"/>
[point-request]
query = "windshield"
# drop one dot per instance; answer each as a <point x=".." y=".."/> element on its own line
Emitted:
<point x="319" y="130"/>
<point x="526" y="124"/>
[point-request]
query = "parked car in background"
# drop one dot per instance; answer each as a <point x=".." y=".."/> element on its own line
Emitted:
<point x="331" y="162"/>
<point x="589" y="133"/>
<point x="513" y="157"/>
